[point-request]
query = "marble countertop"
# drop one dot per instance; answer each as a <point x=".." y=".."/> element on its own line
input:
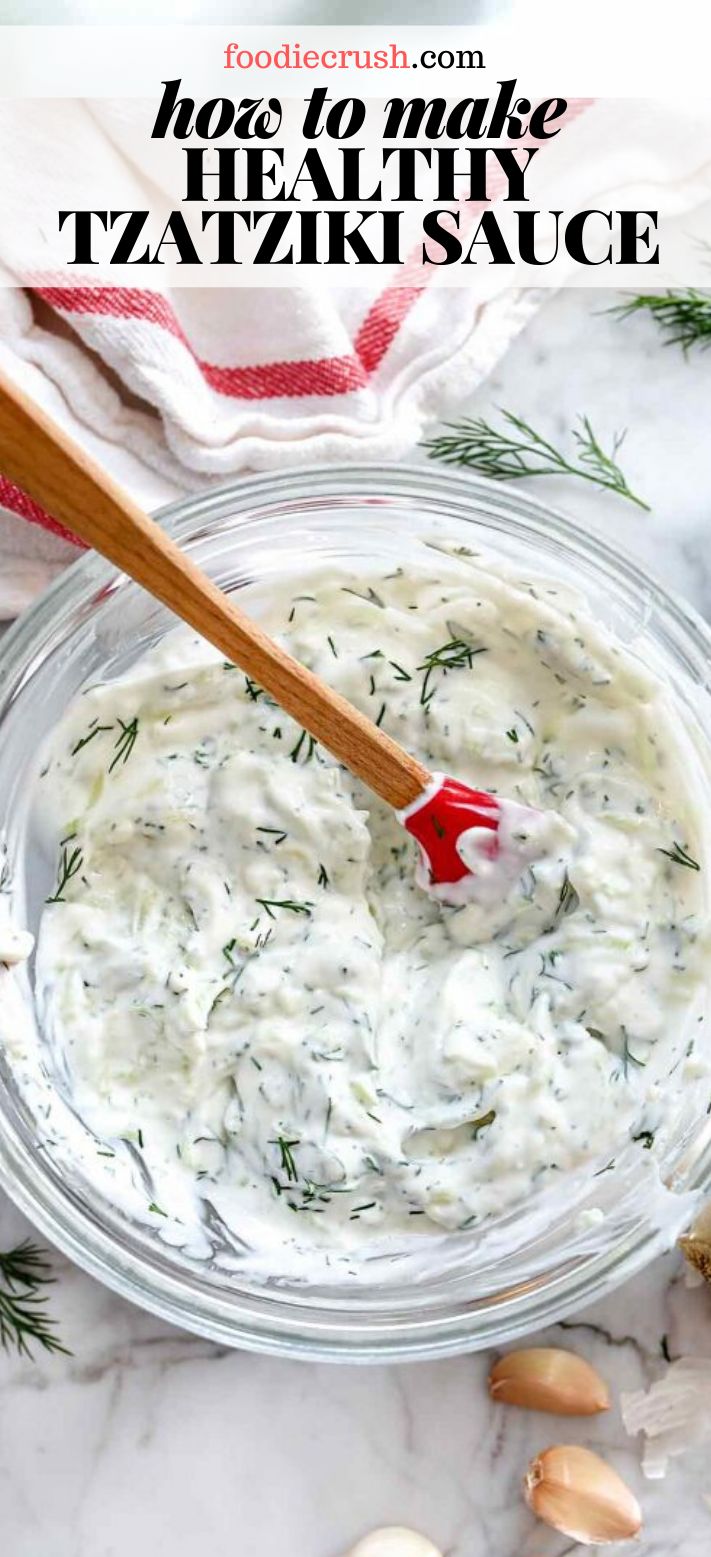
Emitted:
<point x="147" y="1439"/>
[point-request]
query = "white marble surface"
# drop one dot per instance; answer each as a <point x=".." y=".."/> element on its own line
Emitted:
<point x="147" y="1439"/>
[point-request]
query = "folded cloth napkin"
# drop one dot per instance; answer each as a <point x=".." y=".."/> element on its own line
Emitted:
<point x="228" y="378"/>
<point x="174" y="391"/>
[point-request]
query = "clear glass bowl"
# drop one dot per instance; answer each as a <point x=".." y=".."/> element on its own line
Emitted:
<point x="470" y="1290"/>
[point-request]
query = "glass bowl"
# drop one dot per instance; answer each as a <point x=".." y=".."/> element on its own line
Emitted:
<point x="464" y="1291"/>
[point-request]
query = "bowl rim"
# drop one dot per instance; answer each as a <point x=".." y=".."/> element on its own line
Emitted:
<point x="354" y="1338"/>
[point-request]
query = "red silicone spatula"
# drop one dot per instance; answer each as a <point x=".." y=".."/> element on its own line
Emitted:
<point x="38" y="455"/>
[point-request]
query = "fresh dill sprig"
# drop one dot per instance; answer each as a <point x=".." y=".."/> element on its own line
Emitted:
<point x="323" y="877"/>
<point x="69" y="866"/>
<point x="125" y="742"/>
<point x="684" y="316"/>
<point x="296" y="750"/>
<point x="295" y="602"/>
<point x="24" y="1321"/>
<point x="680" y="856"/>
<point x="269" y="903"/>
<point x="279" y="834"/>
<point x="510" y="453"/>
<point x="370" y="597"/>
<point x="400" y="673"/>
<point x="628" y="1058"/>
<point x="568" y="899"/>
<point x="95" y="729"/>
<point x="454" y="655"/>
<point x="310" y="1190"/>
<point x="286" y="1153"/>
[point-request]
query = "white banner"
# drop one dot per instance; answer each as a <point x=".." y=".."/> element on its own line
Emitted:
<point x="213" y="157"/>
<point x="614" y="48"/>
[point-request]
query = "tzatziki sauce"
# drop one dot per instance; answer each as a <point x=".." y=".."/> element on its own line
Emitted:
<point x="254" y="1006"/>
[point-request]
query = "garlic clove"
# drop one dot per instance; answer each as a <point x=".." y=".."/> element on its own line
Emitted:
<point x="394" y="1541"/>
<point x="696" y="1244"/>
<point x="698" y="1252"/>
<point x="546" y="1378"/>
<point x="576" y="1492"/>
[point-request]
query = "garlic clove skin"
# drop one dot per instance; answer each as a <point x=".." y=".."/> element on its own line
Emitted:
<point x="394" y="1541"/>
<point x="577" y="1493"/>
<point x="546" y="1378"/>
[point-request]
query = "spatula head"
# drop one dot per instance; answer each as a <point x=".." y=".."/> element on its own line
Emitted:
<point x="475" y="845"/>
<point x="446" y="810"/>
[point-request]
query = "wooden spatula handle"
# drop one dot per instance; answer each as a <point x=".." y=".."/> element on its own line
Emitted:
<point x="40" y="457"/>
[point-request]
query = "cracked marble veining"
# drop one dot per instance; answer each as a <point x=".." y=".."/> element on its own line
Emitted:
<point x="147" y="1439"/>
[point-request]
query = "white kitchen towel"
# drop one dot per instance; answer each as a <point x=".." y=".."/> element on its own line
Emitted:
<point x="210" y="412"/>
<point x="219" y="380"/>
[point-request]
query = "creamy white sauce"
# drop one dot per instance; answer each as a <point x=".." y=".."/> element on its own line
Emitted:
<point x="253" y="1006"/>
<point x="15" y="945"/>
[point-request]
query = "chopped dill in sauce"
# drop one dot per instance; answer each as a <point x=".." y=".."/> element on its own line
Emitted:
<point x="237" y="951"/>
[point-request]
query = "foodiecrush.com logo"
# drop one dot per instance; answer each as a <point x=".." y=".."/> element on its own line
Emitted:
<point x="294" y="56"/>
